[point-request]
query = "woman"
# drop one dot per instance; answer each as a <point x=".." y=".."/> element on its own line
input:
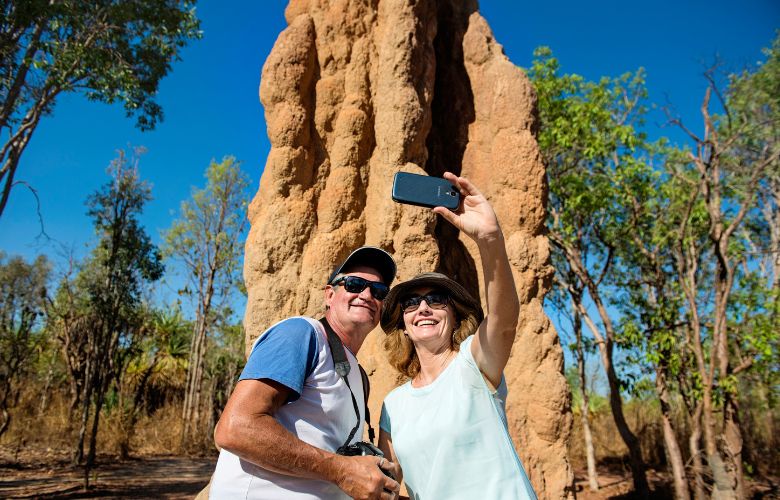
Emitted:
<point x="446" y="426"/>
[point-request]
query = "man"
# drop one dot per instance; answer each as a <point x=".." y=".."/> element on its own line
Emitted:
<point x="290" y="409"/>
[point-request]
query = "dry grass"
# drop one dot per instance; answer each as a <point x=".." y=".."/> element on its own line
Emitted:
<point x="643" y="419"/>
<point x="54" y="429"/>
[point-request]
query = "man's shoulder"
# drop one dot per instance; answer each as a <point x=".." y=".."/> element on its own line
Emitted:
<point x="297" y="323"/>
<point x="293" y="329"/>
<point x="288" y="352"/>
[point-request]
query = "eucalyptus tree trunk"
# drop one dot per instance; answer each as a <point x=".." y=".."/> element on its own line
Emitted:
<point x="593" y="479"/>
<point x="192" y="414"/>
<point x="673" y="452"/>
<point x="605" y="342"/>
<point x="699" y="491"/>
<point x="671" y="444"/>
<point x="44" y="404"/>
<point x="206" y="239"/>
<point x="687" y="266"/>
<point x="192" y="396"/>
<point x="637" y="464"/>
<point x="86" y="405"/>
<point x="606" y="347"/>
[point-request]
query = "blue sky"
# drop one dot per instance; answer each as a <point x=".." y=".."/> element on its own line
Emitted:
<point x="212" y="109"/>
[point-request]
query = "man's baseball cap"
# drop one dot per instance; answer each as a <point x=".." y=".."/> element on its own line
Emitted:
<point x="370" y="257"/>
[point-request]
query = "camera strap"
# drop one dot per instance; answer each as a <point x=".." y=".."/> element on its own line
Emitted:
<point x="343" y="368"/>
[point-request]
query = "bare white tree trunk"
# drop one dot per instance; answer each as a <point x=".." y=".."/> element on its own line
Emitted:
<point x="593" y="479"/>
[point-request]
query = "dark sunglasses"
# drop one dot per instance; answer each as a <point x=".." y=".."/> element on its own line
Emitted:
<point x="356" y="284"/>
<point x="435" y="300"/>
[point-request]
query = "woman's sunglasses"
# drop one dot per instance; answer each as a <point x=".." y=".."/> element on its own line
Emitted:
<point x="356" y="284"/>
<point x="435" y="300"/>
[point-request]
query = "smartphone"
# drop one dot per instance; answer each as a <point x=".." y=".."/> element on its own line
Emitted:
<point x="424" y="191"/>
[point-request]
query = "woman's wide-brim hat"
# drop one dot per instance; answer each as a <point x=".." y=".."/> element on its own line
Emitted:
<point x="391" y="308"/>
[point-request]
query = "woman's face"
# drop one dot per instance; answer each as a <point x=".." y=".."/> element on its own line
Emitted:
<point x="432" y="322"/>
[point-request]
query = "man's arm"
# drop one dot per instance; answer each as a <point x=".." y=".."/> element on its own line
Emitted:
<point x="249" y="430"/>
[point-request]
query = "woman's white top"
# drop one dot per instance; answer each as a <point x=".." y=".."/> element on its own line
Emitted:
<point x="451" y="436"/>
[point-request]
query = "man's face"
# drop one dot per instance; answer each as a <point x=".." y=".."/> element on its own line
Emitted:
<point x="352" y="310"/>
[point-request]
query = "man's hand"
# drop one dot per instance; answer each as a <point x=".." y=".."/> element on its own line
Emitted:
<point x="362" y="477"/>
<point x="248" y="429"/>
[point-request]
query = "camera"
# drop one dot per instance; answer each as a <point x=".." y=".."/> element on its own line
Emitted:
<point x="360" y="449"/>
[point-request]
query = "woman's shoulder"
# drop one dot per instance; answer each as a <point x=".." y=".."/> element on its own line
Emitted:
<point x="464" y="350"/>
<point x="398" y="393"/>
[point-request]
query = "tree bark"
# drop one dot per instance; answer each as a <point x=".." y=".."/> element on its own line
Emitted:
<point x="670" y="438"/>
<point x="637" y="464"/>
<point x="191" y="413"/>
<point x="699" y="490"/>
<point x="593" y="479"/>
<point x="45" y="393"/>
<point x="86" y="403"/>
<point x="192" y="403"/>
<point x="5" y="422"/>
<point x="641" y="487"/>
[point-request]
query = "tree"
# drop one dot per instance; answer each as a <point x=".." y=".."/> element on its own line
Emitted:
<point x="105" y="298"/>
<point x="586" y="133"/>
<point x="652" y="309"/>
<point x="680" y="293"/>
<point x="205" y="239"/>
<point x="571" y="291"/>
<point x="22" y="309"/>
<point x="109" y="50"/>
<point x="731" y="169"/>
<point x="69" y="321"/>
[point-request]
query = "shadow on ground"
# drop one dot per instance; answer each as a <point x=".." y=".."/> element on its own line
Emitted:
<point x="169" y="477"/>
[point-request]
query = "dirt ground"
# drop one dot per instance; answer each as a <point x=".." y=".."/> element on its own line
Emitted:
<point x="48" y="474"/>
<point x="617" y="484"/>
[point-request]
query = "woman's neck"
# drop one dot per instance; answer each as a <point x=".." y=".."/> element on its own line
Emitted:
<point x="432" y="364"/>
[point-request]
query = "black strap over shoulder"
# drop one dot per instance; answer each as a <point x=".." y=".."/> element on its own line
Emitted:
<point x="343" y="368"/>
<point x="366" y="390"/>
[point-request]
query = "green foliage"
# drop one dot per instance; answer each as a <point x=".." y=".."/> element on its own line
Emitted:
<point x="588" y="138"/>
<point x="109" y="50"/>
<point x="753" y="112"/>
<point x="675" y="240"/>
<point x="597" y="403"/>
<point x="124" y="258"/>
<point x="591" y="143"/>
<point x="224" y="360"/>
<point x="752" y="125"/>
<point x="99" y="315"/>
<point x="205" y="238"/>
<point x="170" y="345"/>
<point x="22" y="307"/>
<point x="157" y="370"/>
<point x="754" y="318"/>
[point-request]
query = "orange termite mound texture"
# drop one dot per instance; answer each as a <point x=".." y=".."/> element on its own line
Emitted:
<point x="355" y="91"/>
